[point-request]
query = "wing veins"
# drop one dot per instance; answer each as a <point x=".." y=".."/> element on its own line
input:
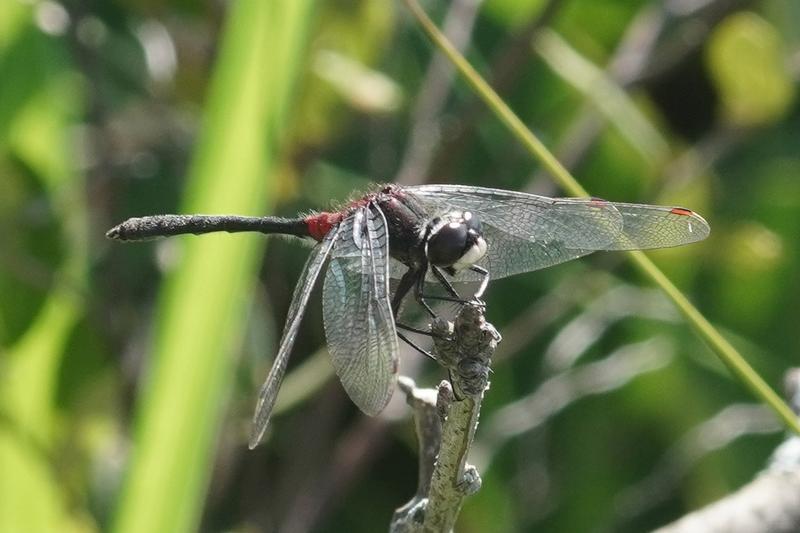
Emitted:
<point x="365" y="354"/>
<point x="269" y="390"/>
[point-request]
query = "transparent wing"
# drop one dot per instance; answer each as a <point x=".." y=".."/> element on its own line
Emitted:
<point x="359" y="324"/>
<point x="527" y="232"/>
<point x="575" y="222"/>
<point x="302" y="291"/>
<point x="507" y="254"/>
<point x="646" y="227"/>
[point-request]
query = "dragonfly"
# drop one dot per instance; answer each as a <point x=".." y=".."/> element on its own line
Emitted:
<point x="397" y="240"/>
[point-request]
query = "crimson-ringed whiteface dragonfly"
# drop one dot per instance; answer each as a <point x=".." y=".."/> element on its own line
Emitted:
<point x="404" y="237"/>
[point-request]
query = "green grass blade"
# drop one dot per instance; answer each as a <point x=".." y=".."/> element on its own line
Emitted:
<point x="606" y="96"/>
<point x="718" y="344"/>
<point x="202" y="307"/>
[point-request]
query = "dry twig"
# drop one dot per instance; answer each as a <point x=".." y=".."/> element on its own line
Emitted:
<point x="446" y="420"/>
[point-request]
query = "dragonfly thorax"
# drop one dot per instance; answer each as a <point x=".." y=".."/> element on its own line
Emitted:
<point x="455" y="241"/>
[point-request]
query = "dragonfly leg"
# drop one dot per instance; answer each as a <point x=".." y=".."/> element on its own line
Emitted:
<point x="439" y="275"/>
<point x="454" y="296"/>
<point x="418" y="294"/>
<point x="412" y="329"/>
<point x="411" y="343"/>
<point x="437" y="272"/>
<point x="414" y="277"/>
<point x="484" y="282"/>
<point x="408" y="280"/>
<point x="445" y="298"/>
<point x="420" y="331"/>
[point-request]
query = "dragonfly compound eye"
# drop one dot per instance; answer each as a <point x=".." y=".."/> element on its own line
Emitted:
<point x="455" y="241"/>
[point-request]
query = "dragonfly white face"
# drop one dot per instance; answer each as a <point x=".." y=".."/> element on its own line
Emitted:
<point x="455" y="241"/>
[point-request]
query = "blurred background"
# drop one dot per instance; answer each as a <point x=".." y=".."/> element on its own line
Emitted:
<point x="128" y="373"/>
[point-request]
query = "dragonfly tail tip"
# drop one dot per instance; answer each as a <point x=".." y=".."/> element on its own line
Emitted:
<point x="114" y="233"/>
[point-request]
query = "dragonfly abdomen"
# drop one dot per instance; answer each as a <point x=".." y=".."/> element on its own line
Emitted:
<point x="152" y="227"/>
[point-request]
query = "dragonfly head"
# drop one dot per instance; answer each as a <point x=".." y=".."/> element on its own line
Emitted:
<point x="455" y="241"/>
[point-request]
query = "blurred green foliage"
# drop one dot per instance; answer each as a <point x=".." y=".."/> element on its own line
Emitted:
<point x="601" y="399"/>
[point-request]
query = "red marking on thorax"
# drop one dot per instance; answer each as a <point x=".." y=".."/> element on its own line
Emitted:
<point x="681" y="211"/>
<point x="319" y="224"/>
<point x="361" y="202"/>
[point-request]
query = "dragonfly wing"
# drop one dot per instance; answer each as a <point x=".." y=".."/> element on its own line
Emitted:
<point x="359" y="324"/>
<point x="302" y="291"/>
<point x="652" y="226"/>
<point x="527" y="232"/>
<point x="508" y="254"/>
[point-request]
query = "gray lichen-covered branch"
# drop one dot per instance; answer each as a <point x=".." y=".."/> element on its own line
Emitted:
<point x="768" y="504"/>
<point x="446" y="420"/>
